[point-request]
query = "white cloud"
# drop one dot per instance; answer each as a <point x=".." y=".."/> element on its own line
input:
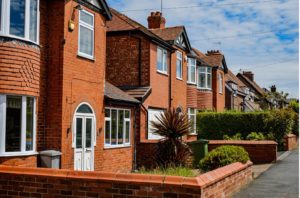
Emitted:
<point x="248" y="51"/>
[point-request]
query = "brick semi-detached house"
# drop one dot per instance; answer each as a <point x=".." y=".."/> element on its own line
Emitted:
<point x="53" y="94"/>
<point x="158" y="67"/>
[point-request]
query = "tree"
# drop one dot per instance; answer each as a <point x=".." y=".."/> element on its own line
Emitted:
<point x="171" y="150"/>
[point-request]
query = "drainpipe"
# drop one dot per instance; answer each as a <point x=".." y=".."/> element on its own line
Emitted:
<point x="134" y="139"/>
<point x="170" y="81"/>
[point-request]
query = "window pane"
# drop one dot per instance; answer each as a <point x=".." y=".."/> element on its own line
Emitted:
<point x="127" y="114"/>
<point x="107" y="132"/>
<point x="209" y="81"/>
<point x="114" y="127"/>
<point x="193" y="74"/>
<point x="159" y="59"/>
<point x="29" y="123"/>
<point x="86" y="41"/>
<point x="78" y="132"/>
<point x="0" y="15"/>
<point x="201" y="79"/>
<point x="202" y="69"/>
<point x="209" y="70"/>
<point x="13" y="123"/>
<point x="17" y="18"/>
<point x="87" y="18"/>
<point x="88" y="133"/>
<point x="165" y="60"/>
<point x="107" y="113"/>
<point x="84" y="109"/>
<point x="33" y="20"/>
<point x="179" y="68"/>
<point x="120" y="127"/>
<point x="127" y="128"/>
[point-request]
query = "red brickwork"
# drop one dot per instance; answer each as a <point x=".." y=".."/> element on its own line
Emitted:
<point x="191" y="96"/>
<point x="30" y="182"/>
<point x="23" y="161"/>
<point x="260" y="152"/>
<point x="205" y="99"/>
<point x="290" y="142"/>
<point x="218" y="98"/>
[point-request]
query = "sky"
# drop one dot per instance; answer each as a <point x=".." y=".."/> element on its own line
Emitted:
<point x="261" y="36"/>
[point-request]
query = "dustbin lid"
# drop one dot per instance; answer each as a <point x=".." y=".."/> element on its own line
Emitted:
<point x="50" y="153"/>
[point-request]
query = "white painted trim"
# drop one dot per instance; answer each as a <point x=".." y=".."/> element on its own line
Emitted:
<point x="164" y="56"/>
<point x="190" y="71"/>
<point x="181" y="59"/>
<point x="206" y="73"/>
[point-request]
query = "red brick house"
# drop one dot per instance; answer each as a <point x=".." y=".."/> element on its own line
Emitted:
<point x="53" y="94"/>
<point x="237" y="94"/>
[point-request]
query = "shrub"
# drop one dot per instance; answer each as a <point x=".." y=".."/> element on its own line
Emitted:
<point x="294" y="105"/>
<point x="237" y="136"/>
<point x="175" y="171"/>
<point x="223" y="156"/>
<point x="256" y="136"/>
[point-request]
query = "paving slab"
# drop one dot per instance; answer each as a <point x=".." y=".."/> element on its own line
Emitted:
<point x="281" y="180"/>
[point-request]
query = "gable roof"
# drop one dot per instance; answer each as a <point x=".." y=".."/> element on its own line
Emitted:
<point x="230" y="77"/>
<point x="121" y="22"/>
<point x="195" y="54"/>
<point x="253" y="85"/>
<point x="171" y="34"/>
<point x="111" y="92"/>
<point x="98" y="6"/>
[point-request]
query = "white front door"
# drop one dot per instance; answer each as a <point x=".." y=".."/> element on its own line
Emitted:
<point x="84" y="149"/>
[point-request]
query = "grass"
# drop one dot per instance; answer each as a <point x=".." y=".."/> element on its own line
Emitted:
<point x="173" y="171"/>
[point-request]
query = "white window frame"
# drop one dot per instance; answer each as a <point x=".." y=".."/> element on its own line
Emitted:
<point x="23" y="151"/>
<point x="192" y="63"/>
<point x="206" y="73"/>
<point x="125" y="144"/>
<point x="90" y="27"/>
<point x="190" y="114"/>
<point x="179" y="56"/>
<point x="220" y="81"/>
<point x="150" y="134"/>
<point x="5" y="21"/>
<point x="163" y="55"/>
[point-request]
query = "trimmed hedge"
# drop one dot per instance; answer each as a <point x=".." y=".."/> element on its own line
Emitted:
<point x="213" y="126"/>
<point x="222" y="156"/>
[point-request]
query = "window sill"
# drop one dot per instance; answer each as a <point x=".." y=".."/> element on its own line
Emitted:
<point x="162" y="73"/>
<point x="17" y="154"/>
<point x="179" y="78"/>
<point x="204" y="89"/>
<point x="106" y="147"/>
<point x="191" y="83"/>
<point x="19" y="39"/>
<point x="85" y="56"/>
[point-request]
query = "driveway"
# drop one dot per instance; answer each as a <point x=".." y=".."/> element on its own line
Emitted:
<point x="280" y="181"/>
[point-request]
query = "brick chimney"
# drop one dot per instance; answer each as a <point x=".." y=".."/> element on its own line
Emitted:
<point x="249" y="75"/>
<point x="156" y="21"/>
<point x="273" y="88"/>
<point x="213" y="52"/>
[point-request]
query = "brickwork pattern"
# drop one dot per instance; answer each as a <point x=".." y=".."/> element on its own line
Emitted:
<point x="290" y="142"/>
<point x="32" y="182"/>
<point x="260" y="152"/>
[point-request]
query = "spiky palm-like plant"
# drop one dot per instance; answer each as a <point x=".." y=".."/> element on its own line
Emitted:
<point x="171" y="150"/>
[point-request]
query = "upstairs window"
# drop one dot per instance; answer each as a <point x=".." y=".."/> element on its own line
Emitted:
<point x="192" y="70"/>
<point x="204" y="78"/>
<point x="86" y="34"/>
<point x="179" y="65"/>
<point x="220" y="77"/>
<point x="162" y="60"/>
<point x="20" y="19"/>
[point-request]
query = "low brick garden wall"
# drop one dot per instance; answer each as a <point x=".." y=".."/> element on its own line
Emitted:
<point x="35" y="182"/>
<point x="260" y="152"/>
<point x="290" y="142"/>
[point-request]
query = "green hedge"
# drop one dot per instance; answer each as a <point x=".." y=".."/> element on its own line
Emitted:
<point x="213" y="126"/>
<point x="222" y="156"/>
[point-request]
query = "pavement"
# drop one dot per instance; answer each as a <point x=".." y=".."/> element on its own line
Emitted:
<point x="280" y="180"/>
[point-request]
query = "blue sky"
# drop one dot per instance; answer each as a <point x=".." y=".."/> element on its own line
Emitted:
<point x="257" y="35"/>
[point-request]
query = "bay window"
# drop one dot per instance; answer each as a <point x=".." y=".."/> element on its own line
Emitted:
<point x="117" y="127"/>
<point x="86" y="34"/>
<point x="17" y="125"/>
<point x="192" y="117"/>
<point x="162" y="60"/>
<point x="204" y="78"/>
<point x="192" y="70"/>
<point x="20" y="19"/>
<point x="179" y="65"/>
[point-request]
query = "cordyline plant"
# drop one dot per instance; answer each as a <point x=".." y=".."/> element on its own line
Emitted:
<point x="171" y="150"/>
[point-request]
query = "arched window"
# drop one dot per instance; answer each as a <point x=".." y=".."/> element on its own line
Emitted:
<point x="84" y="109"/>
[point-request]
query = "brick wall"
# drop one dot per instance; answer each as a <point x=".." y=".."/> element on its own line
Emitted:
<point x="290" y="142"/>
<point x="191" y="96"/>
<point x="260" y="152"/>
<point x="218" y="98"/>
<point x="22" y="161"/>
<point x="30" y="182"/>
<point x="204" y="99"/>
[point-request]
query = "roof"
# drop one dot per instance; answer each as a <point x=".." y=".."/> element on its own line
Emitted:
<point x="171" y="34"/>
<point x="113" y="93"/>
<point x="99" y="6"/>
<point x="201" y="57"/>
<point x="138" y="92"/>
<point x="231" y="77"/>
<point x="253" y="84"/>
<point x="121" y="22"/>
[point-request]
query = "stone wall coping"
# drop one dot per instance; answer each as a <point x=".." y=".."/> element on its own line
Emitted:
<point x="200" y="181"/>
<point x="241" y="142"/>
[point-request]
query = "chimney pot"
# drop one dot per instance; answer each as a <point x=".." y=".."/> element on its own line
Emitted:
<point x="156" y="20"/>
<point x="249" y="75"/>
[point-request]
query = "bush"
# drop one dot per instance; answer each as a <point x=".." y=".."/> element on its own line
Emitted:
<point x="256" y="136"/>
<point x="223" y="156"/>
<point x="175" y="171"/>
<point x="294" y="105"/>
<point x="213" y="126"/>
<point x="237" y="136"/>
